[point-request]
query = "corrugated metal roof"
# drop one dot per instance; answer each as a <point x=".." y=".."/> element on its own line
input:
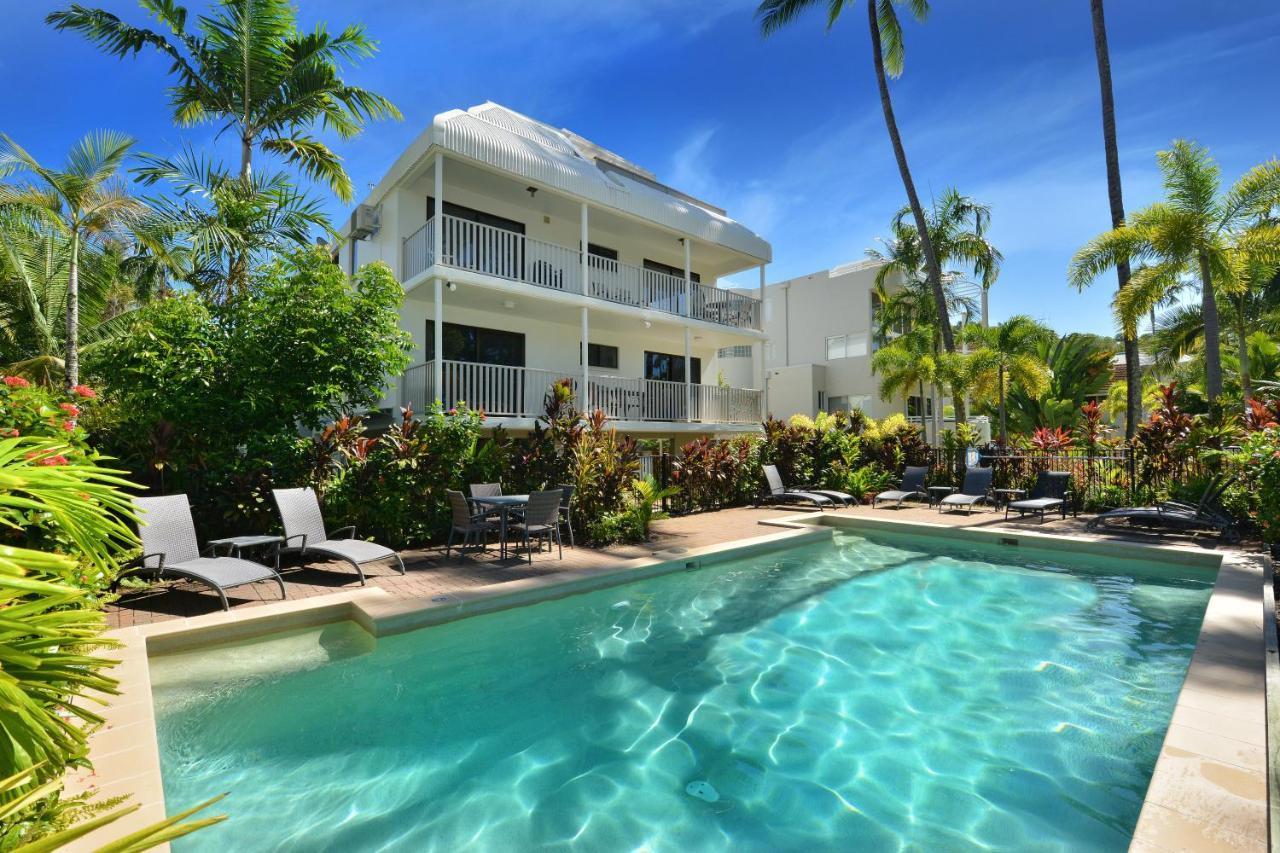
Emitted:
<point x="514" y="143"/>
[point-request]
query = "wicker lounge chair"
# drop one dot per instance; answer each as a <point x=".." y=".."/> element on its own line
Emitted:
<point x="976" y="489"/>
<point x="778" y="494"/>
<point x="912" y="486"/>
<point x="1052" y="491"/>
<point x="169" y="545"/>
<point x="1175" y="516"/>
<point x="304" y="525"/>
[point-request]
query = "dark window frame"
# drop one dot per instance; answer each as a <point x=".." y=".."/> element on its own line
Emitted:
<point x="678" y="272"/>
<point x="594" y="353"/>
<point x="478" y="333"/>
<point x="480" y="217"/>
<point x="653" y="362"/>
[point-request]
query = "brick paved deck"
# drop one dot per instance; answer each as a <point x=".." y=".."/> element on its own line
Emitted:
<point x="430" y="573"/>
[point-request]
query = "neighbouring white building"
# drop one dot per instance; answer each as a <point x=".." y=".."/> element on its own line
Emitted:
<point x="528" y="255"/>
<point x="821" y="335"/>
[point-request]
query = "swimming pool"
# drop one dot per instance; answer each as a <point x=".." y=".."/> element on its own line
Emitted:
<point x="871" y="693"/>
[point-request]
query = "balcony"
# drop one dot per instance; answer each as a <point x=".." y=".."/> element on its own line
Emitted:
<point x="507" y="255"/>
<point x="520" y="392"/>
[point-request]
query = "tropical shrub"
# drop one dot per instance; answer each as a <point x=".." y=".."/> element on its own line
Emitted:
<point x="1259" y="463"/>
<point x="631" y="524"/>
<point x="603" y="465"/>
<point x="208" y="399"/>
<point x="712" y="474"/>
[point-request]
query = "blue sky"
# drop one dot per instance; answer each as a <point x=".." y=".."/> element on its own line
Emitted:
<point x="999" y="99"/>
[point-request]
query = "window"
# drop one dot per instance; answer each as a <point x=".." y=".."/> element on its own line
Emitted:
<point x="472" y="215"/>
<point x="913" y="407"/>
<point x="678" y="272"/>
<point x="668" y="367"/>
<point x="740" y="351"/>
<point x="601" y="355"/>
<point x="476" y="345"/>
<point x="846" y="346"/>
<point x="822" y="401"/>
<point x="847" y="403"/>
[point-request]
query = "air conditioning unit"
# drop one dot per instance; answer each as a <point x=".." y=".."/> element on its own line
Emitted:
<point x="366" y="221"/>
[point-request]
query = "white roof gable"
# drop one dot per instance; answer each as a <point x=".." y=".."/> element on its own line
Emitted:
<point x="514" y="143"/>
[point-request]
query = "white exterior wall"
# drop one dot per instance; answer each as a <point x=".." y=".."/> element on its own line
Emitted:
<point x="799" y="315"/>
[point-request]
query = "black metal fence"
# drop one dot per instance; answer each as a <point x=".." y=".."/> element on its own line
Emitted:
<point x="1101" y="478"/>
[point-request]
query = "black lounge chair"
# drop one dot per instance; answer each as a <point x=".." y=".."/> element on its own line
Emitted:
<point x="778" y="494"/>
<point x="976" y="489"/>
<point x="912" y="486"/>
<point x="1176" y="516"/>
<point x="1052" y="491"/>
<point x="169" y="547"/>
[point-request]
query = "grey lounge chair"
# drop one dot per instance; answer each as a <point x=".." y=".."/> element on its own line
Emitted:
<point x="976" y="489"/>
<point x="778" y="494"/>
<point x="467" y="523"/>
<point x="541" y="520"/>
<point x="304" y="525"/>
<point x="1051" y="491"/>
<point x="912" y="486"/>
<point x="1177" y="517"/>
<point x="169" y="539"/>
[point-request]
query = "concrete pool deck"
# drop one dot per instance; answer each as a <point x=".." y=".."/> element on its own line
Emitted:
<point x="1208" y="791"/>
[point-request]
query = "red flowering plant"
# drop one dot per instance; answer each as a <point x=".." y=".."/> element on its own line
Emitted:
<point x="39" y="428"/>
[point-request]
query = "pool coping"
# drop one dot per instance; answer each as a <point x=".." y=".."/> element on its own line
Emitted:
<point x="1198" y="798"/>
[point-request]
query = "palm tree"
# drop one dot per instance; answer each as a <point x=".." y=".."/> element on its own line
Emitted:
<point x="1079" y="367"/>
<point x="34" y="267"/>
<point x="85" y="202"/>
<point x="887" y="51"/>
<point x="910" y="362"/>
<point x="957" y="226"/>
<point x="1133" y="378"/>
<point x="1008" y="355"/>
<point x="248" y="67"/>
<point x="1193" y="230"/>
<point x="225" y="223"/>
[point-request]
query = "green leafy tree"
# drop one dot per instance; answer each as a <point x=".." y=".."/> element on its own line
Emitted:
<point x="1190" y="234"/>
<point x="910" y="362"/>
<point x="248" y="67"/>
<point x="225" y="225"/>
<point x="1008" y="355"/>
<point x="887" y="52"/>
<point x="85" y="202"/>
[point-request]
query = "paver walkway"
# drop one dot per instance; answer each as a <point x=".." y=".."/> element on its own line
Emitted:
<point x="430" y="573"/>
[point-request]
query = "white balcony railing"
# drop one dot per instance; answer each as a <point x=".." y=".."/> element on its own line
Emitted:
<point x="520" y="392"/>
<point x="515" y="257"/>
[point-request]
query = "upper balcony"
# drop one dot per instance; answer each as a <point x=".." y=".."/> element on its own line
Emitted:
<point x="512" y="256"/>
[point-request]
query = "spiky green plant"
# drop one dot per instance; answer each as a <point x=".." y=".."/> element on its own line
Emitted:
<point x="1007" y="355"/>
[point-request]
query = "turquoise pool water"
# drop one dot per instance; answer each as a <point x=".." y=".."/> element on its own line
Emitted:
<point x="862" y="695"/>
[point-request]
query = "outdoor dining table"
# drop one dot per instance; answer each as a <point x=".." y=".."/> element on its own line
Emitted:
<point x="503" y="504"/>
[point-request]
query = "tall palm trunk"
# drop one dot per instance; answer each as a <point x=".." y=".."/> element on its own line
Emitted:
<point x="1004" y="426"/>
<point x="246" y="158"/>
<point x="1133" y="376"/>
<point x="72" y="361"/>
<point x="933" y="271"/>
<point x="1242" y="342"/>
<point x="1212" y="341"/>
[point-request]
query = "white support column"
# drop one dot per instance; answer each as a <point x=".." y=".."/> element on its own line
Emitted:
<point x="688" y="375"/>
<point x="764" y="381"/>
<point x="584" y="395"/>
<point x="438" y="367"/>
<point x="688" y="276"/>
<point x="586" y="271"/>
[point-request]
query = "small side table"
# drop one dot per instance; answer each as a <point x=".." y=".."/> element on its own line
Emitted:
<point x="236" y="544"/>
<point x="937" y="493"/>
<point x="1008" y="496"/>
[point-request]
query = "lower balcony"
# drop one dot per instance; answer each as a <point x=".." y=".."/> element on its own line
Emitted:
<point x="520" y="393"/>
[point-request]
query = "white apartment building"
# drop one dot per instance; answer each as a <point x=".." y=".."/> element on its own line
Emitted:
<point x="530" y="255"/>
<point x="820" y="332"/>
